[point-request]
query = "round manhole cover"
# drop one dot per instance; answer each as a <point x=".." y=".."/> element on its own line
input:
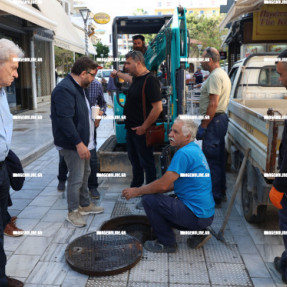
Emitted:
<point x="134" y="225"/>
<point x="100" y="255"/>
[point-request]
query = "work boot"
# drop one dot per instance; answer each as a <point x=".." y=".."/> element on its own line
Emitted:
<point x="61" y="186"/>
<point x="76" y="218"/>
<point x="277" y="264"/>
<point x="197" y="241"/>
<point x="156" y="247"/>
<point x="91" y="209"/>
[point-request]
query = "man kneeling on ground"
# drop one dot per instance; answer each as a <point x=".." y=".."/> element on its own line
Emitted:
<point x="189" y="176"/>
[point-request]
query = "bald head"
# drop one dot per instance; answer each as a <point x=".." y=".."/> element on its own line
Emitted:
<point x="281" y="67"/>
<point x="213" y="54"/>
<point x="212" y="58"/>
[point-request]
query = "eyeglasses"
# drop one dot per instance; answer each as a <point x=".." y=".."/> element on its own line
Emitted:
<point x="93" y="75"/>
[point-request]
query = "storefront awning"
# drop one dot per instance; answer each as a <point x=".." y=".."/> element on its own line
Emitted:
<point x="66" y="35"/>
<point x="27" y="12"/>
<point x="239" y="8"/>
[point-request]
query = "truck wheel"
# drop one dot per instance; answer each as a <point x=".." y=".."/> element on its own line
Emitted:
<point x="247" y="205"/>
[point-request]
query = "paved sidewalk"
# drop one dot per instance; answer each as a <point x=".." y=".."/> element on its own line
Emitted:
<point x="39" y="259"/>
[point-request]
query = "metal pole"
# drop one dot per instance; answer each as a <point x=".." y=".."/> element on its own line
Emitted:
<point x="85" y="15"/>
<point x="33" y="69"/>
<point x="86" y="38"/>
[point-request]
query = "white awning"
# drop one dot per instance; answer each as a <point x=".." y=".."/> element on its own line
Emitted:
<point x="239" y="8"/>
<point x="27" y="12"/>
<point x="66" y="35"/>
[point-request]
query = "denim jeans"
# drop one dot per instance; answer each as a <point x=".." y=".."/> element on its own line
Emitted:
<point x="4" y="194"/>
<point x="141" y="158"/>
<point x="213" y="147"/>
<point x="165" y="212"/>
<point x="79" y="171"/>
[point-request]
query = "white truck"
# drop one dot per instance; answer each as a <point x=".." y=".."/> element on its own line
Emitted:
<point x="258" y="105"/>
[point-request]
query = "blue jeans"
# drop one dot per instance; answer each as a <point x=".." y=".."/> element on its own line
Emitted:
<point x="79" y="171"/>
<point x="165" y="212"/>
<point x="4" y="194"/>
<point x="213" y="147"/>
<point x="141" y="158"/>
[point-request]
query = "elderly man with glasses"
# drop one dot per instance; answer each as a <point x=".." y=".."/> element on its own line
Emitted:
<point x="213" y="103"/>
<point x="73" y="131"/>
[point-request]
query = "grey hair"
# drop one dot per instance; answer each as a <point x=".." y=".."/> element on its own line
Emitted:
<point x="189" y="126"/>
<point x="136" y="56"/>
<point x="213" y="54"/>
<point x="9" y="48"/>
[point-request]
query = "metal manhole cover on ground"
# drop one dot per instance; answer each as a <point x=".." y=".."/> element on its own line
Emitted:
<point x="134" y="225"/>
<point x="100" y="255"/>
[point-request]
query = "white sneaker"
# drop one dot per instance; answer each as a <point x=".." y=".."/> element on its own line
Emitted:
<point x="76" y="218"/>
<point x="91" y="209"/>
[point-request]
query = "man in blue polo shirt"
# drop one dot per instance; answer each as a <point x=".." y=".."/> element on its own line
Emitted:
<point x="189" y="176"/>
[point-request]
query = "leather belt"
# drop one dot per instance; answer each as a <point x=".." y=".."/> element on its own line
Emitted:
<point x="218" y="114"/>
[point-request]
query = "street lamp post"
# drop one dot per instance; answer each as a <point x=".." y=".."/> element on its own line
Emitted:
<point x="85" y="15"/>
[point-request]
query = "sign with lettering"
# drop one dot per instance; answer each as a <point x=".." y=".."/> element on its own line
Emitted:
<point x="102" y="18"/>
<point x="270" y="23"/>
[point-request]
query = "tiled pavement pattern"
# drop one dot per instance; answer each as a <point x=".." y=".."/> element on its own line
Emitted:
<point x="39" y="260"/>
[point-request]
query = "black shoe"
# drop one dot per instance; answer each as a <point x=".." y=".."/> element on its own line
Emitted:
<point x="94" y="193"/>
<point x="14" y="282"/>
<point x="156" y="247"/>
<point x="61" y="186"/>
<point x="277" y="264"/>
<point x="217" y="202"/>
<point x="197" y="241"/>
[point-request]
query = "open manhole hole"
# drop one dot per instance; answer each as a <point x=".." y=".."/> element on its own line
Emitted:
<point x="101" y="255"/>
<point x="134" y="225"/>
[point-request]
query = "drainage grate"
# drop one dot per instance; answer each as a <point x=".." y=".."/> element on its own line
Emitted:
<point x="101" y="255"/>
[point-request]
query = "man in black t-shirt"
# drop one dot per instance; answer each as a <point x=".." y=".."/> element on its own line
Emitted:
<point x="140" y="156"/>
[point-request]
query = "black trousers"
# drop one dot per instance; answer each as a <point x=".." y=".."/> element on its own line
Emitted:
<point x="4" y="194"/>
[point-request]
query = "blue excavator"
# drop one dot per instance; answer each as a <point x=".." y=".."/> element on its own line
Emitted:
<point x="167" y="56"/>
